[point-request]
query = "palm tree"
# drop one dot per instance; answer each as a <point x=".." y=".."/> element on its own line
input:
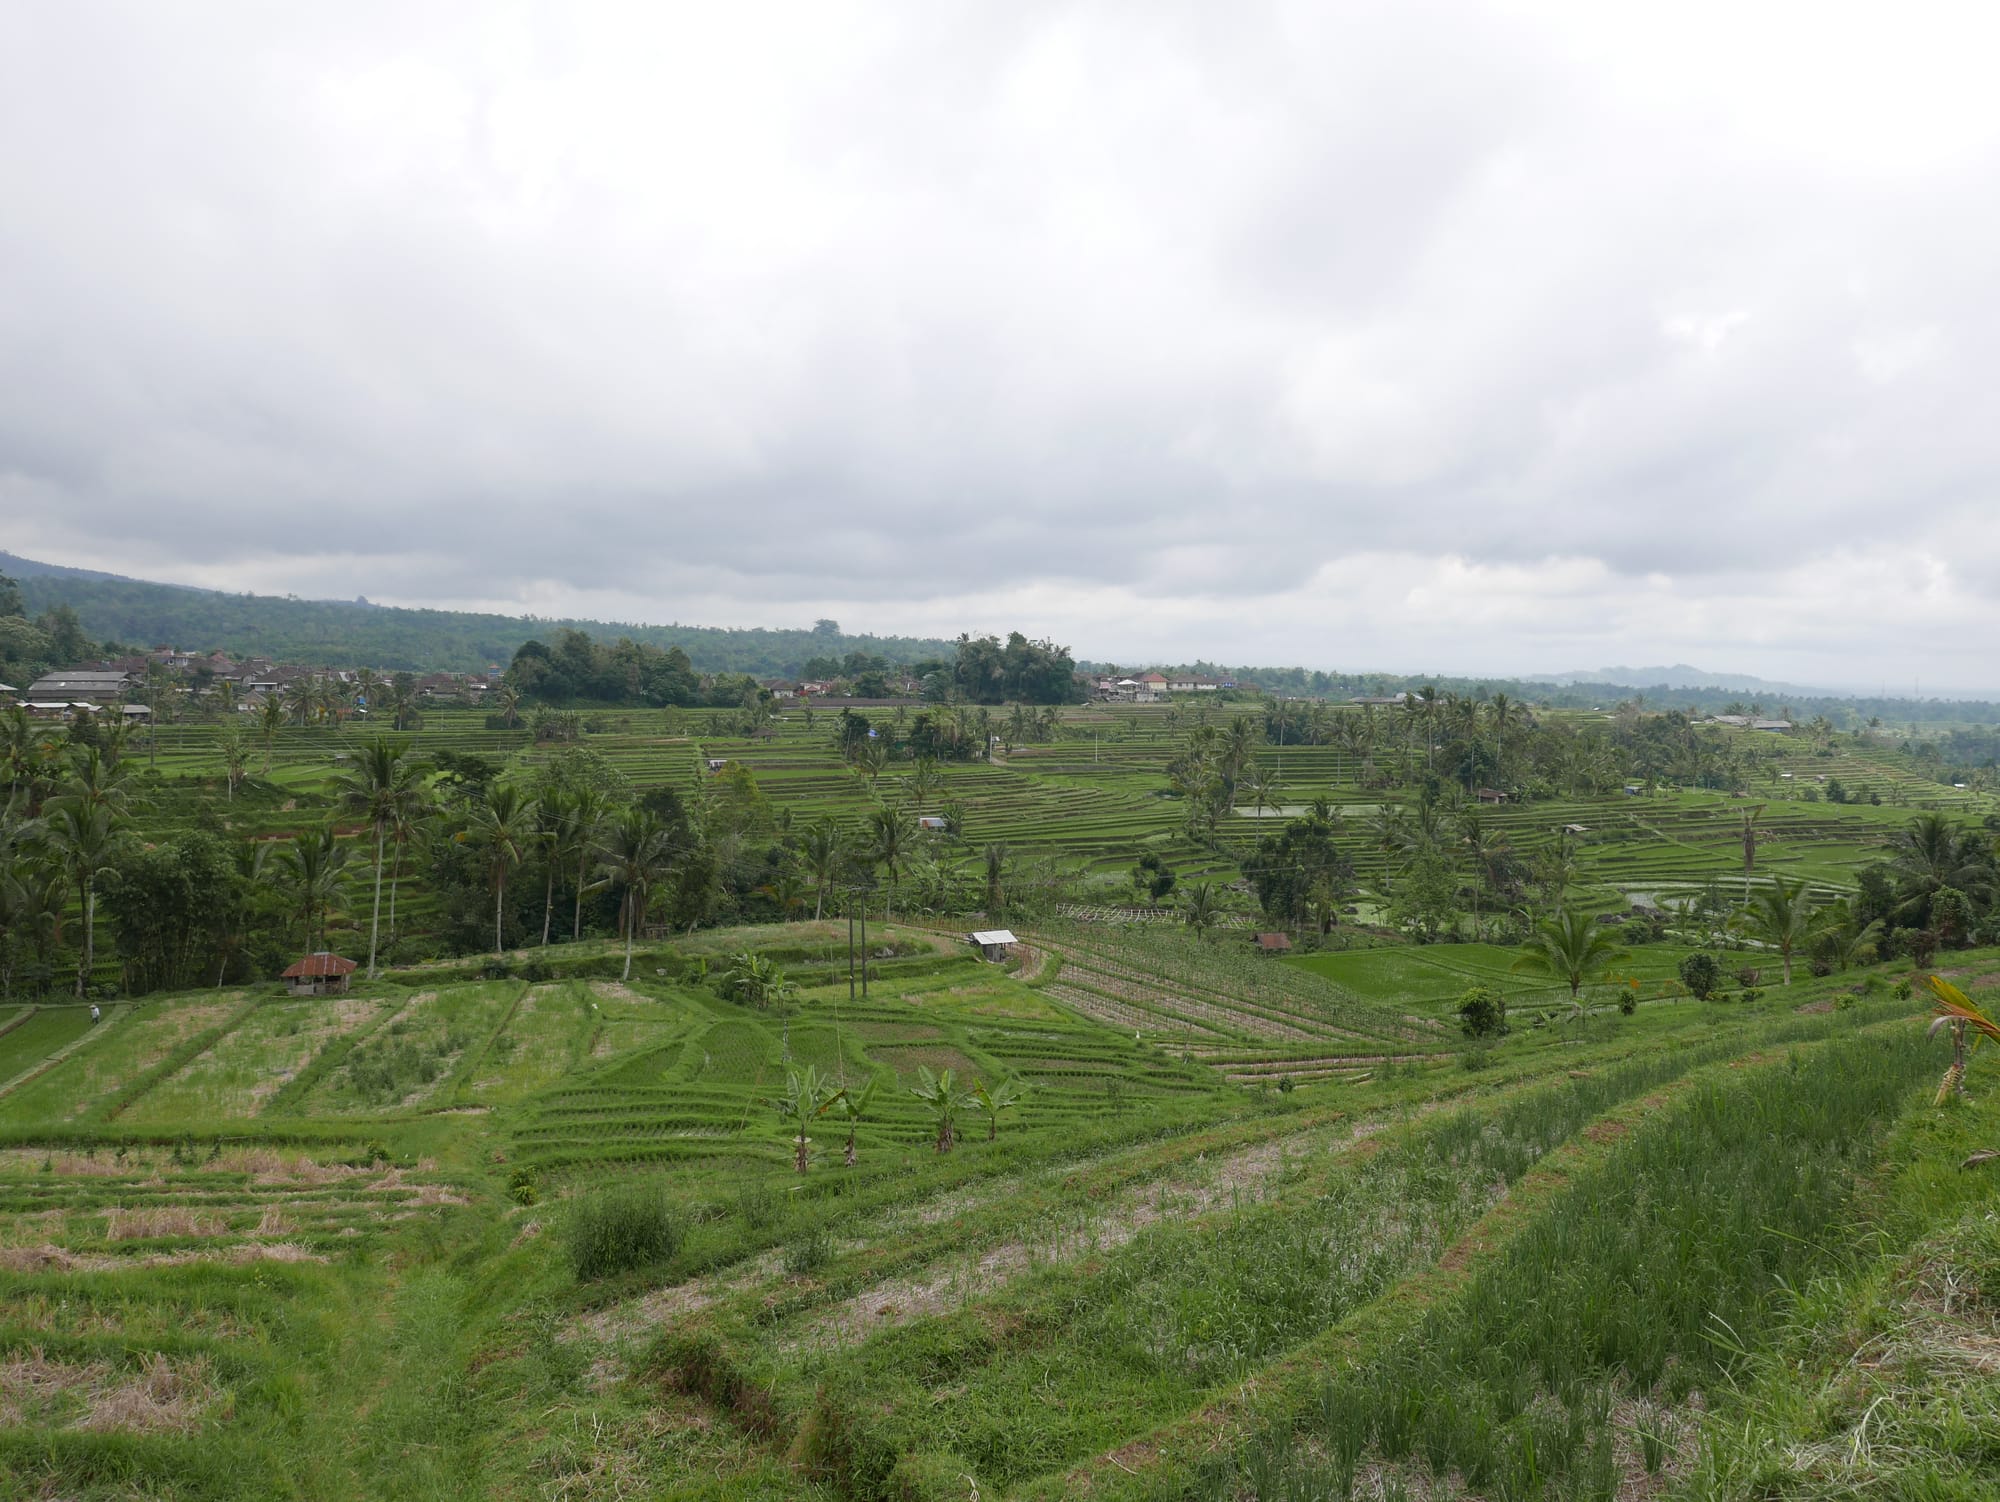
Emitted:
<point x="1572" y="948"/>
<point x="1780" y="915"/>
<point x="821" y="852"/>
<point x="402" y="703"/>
<point x="590" y="809"/>
<point x="996" y="881"/>
<point x="634" y="855"/>
<point x="889" y="840"/>
<point x="372" y="785"/>
<point x="807" y="1098"/>
<point x="1934" y="853"/>
<point x="314" y="869"/>
<point x="235" y="748"/>
<point x="554" y="833"/>
<point x="940" y="1096"/>
<point x="1847" y="941"/>
<point x="1203" y="907"/>
<point x="924" y="781"/>
<point x="854" y="1106"/>
<point x="507" y="701"/>
<point x="301" y="697"/>
<point x="503" y="827"/>
<point x="94" y="781"/>
<point x="1261" y="788"/>
<point x="405" y="825"/>
<point x="1002" y="1097"/>
<point x="1750" y="817"/>
<point x="271" y="719"/>
<point x="83" y="839"/>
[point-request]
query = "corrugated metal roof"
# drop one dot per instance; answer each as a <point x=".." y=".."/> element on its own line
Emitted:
<point x="995" y="936"/>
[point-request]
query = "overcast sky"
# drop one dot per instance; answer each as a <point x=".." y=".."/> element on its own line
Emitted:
<point x="1420" y="336"/>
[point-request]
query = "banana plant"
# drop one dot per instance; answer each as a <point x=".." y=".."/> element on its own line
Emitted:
<point x="807" y="1097"/>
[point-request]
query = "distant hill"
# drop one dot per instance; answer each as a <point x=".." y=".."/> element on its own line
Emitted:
<point x="353" y="633"/>
<point x="1681" y="675"/>
<point x="17" y="567"/>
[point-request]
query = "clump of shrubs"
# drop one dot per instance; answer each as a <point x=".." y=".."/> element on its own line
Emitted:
<point x="1482" y="1013"/>
<point x="1701" y="975"/>
<point x="619" y="1229"/>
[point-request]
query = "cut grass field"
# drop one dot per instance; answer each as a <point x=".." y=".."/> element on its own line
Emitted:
<point x="252" y="1246"/>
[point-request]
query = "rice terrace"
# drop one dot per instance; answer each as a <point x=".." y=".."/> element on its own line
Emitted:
<point x="1058" y="752"/>
<point x="757" y="1089"/>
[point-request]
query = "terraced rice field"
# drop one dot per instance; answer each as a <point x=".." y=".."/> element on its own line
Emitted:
<point x="1245" y="1213"/>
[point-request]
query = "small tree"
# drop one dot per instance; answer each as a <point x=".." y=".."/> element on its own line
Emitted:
<point x="1482" y="1013"/>
<point x="1573" y="949"/>
<point x="807" y="1097"/>
<point x="1701" y="974"/>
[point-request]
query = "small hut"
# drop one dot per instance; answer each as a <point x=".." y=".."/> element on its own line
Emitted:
<point x="994" y="943"/>
<point x="320" y="974"/>
<point x="1274" y="943"/>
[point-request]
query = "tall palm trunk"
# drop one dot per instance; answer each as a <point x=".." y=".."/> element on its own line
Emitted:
<point x="576" y="921"/>
<point x="499" y="900"/>
<point x="548" y="904"/>
<point x="375" y="917"/>
<point x="631" y="922"/>
<point x="86" y="959"/>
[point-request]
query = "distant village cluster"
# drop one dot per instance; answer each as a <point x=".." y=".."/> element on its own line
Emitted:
<point x="132" y="686"/>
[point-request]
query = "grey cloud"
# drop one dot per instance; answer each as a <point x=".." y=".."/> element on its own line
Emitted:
<point x="761" y="306"/>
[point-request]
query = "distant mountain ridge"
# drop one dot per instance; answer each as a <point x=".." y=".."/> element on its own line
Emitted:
<point x="1682" y="675"/>
<point x="355" y="633"/>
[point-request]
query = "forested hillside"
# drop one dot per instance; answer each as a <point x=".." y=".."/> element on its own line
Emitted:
<point x="353" y="634"/>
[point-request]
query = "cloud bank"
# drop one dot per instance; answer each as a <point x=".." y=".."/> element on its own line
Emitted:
<point x="1436" y="336"/>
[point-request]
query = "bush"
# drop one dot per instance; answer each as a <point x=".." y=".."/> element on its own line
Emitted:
<point x="1701" y="975"/>
<point x="1482" y="1013"/>
<point x="619" y="1229"/>
<point x="1748" y="976"/>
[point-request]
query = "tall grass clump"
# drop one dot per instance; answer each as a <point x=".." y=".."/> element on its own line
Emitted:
<point x="1651" y="1276"/>
<point x="619" y="1229"/>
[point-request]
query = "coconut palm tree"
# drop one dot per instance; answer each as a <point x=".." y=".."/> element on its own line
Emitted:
<point x="821" y="853"/>
<point x="554" y="833"/>
<point x="1203" y="907"/>
<point x="1002" y="1097"/>
<point x="373" y="784"/>
<point x="1261" y="788"/>
<point x="1781" y="916"/>
<point x="889" y="843"/>
<point x="1847" y="941"/>
<point x="1933" y="853"/>
<point x="807" y="1097"/>
<point x="271" y="718"/>
<point x="995" y="856"/>
<point x="1571" y="947"/>
<point x="634" y="855"/>
<point x="313" y="868"/>
<point x="924" y="781"/>
<point x="590" y="811"/>
<point x="503" y="827"/>
<point x="235" y="748"/>
<point x="83" y="838"/>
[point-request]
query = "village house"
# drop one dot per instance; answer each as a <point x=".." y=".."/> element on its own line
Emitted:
<point x="83" y="686"/>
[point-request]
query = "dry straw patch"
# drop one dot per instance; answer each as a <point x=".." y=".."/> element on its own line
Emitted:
<point x="163" y="1396"/>
<point x="160" y="1220"/>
